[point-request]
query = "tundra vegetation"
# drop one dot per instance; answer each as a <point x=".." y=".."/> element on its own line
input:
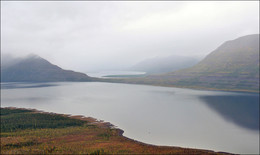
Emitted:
<point x="25" y="131"/>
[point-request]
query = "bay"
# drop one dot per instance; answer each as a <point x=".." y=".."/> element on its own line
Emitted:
<point x="214" y="120"/>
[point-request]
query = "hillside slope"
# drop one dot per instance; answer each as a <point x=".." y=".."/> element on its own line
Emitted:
<point x="233" y="66"/>
<point x="237" y="56"/>
<point x="37" y="69"/>
<point x="165" y="64"/>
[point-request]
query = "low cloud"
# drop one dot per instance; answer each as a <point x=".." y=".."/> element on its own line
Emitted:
<point x="90" y="36"/>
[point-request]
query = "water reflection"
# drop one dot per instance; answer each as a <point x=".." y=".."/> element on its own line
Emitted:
<point x="15" y="85"/>
<point x="243" y="110"/>
<point x="155" y="115"/>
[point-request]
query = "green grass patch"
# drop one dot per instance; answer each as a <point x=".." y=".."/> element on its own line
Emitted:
<point x="105" y="135"/>
<point x="6" y="111"/>
<point x="15" y="119"/>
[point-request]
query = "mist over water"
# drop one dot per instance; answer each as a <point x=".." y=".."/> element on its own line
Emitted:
<point x="154" y="115"/>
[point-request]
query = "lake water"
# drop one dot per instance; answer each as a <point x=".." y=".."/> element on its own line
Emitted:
<point x="214" y="120"/>
<point x="103" y="74"/>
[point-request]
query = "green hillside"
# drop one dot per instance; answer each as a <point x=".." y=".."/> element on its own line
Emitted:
<point x="232" y="66"/>
<point x="236" y="56"/>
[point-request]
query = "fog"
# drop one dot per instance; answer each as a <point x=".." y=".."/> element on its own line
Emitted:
<point x="94" y="36"/>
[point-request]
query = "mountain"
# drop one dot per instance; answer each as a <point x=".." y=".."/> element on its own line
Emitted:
<point x="236" y="56"/>
<point x="36" y="69"/>
<point x="164" y="64"/>
<point x="232" y="66"/>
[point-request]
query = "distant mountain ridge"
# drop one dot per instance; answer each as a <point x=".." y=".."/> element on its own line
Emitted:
<point x="232" y="66"/>
<point x="36" y="69"/>
<point x="165" y="64"/>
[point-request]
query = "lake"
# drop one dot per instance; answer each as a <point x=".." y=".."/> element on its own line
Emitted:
<point x="107" y="74"/>
<point x="214" y="120"/>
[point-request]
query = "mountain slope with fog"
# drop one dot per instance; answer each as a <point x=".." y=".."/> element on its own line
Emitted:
<point x="165" y="64"/>
<point x="36" y="69"/>
<point x="232" y="66"/>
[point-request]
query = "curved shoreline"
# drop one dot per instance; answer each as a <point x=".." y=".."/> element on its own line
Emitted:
<point x="108" y="125"/>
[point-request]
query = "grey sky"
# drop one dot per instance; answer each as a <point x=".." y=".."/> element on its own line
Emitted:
<point x="88" y="36"/>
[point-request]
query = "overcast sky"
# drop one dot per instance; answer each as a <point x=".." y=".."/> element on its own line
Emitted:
<point x="89" y="36"/>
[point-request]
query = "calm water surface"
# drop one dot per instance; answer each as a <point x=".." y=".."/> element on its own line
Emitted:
<point x="109" y="73"/>
<point x="215" y="120"/>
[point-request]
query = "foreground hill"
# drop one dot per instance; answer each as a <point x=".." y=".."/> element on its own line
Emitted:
<point x="232" y="66"/>
<point x="36" y="69"/>
<point x="164" y="64"/>
<point x="47" y="133"/>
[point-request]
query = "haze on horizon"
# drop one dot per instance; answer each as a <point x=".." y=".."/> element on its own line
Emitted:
<point x="94" y="36"/>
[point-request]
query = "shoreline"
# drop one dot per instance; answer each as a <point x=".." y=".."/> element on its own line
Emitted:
<point x="108" y="125"/>
<point x="176" y="86"/>
<point x="111" y="80"/>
